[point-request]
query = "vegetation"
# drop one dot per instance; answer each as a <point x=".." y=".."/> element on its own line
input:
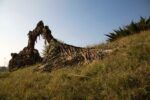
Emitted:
<point x="45" y="50"/>
<point x="124" y="75"/>
<point x="132" y="28"/>
<point x="3" y="69"/>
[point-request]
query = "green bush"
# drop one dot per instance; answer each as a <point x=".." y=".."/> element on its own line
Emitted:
<point x="132" y="28"/>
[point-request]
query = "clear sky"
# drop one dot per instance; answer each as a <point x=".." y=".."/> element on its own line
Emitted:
<point x="77" y="22"/>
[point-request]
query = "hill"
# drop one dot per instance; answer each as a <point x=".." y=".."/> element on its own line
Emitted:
<point x="123" y="75"/>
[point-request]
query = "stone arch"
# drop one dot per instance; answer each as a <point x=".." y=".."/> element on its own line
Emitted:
<point x="29" y="55"/>
<point x="42" y="30"/>
<point x="60" y="54"/>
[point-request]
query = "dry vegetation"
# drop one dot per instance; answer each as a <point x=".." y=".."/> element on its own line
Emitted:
<point x="124" y="75"/>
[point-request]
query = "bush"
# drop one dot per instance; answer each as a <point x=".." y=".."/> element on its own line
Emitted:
<point x="132" y="28"/>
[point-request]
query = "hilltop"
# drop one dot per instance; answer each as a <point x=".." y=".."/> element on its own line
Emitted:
<point x="123" y="75"/>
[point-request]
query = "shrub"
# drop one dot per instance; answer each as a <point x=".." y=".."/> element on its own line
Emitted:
<point x="132" y="28"/>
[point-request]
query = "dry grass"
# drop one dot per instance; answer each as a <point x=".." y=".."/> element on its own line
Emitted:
<point x="124" y="75"/>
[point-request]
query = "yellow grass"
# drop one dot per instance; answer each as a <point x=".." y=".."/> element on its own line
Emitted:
<point x="124" y="75"/>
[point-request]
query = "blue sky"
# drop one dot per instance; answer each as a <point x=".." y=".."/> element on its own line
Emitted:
<point x="76" y="22"/>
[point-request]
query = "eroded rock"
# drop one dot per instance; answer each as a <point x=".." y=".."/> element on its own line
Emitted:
<point x="24" y="58"/>
<point x="59" y="54"/>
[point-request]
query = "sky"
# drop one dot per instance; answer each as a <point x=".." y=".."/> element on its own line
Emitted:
<point x="77" y="22"/>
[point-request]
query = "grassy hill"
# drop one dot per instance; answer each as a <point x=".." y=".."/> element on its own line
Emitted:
<point x="123" y="75"/>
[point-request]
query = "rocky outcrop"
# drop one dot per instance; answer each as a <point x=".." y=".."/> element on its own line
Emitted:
<point x="59" y="54"/>
<point x="29" y="55"/>
<point x="24" y="58"/>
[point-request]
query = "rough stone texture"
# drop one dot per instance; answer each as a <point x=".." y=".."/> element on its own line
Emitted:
<point x="59" y="54"/>
<point x="24" y="58"/>
<point x="29" y="55"/>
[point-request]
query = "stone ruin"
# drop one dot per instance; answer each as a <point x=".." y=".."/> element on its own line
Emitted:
<point x="58" y="55"/>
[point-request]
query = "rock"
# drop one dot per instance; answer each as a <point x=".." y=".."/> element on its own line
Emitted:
<point x="59" y="54"/>
<point x="29" y="55"/>
<point x="24" y="58"/>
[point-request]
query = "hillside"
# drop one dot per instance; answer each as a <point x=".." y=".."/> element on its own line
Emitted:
<point x="123" y="75"/>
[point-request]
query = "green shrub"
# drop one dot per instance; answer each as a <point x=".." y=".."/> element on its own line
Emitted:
<point x="132" y="28"/>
